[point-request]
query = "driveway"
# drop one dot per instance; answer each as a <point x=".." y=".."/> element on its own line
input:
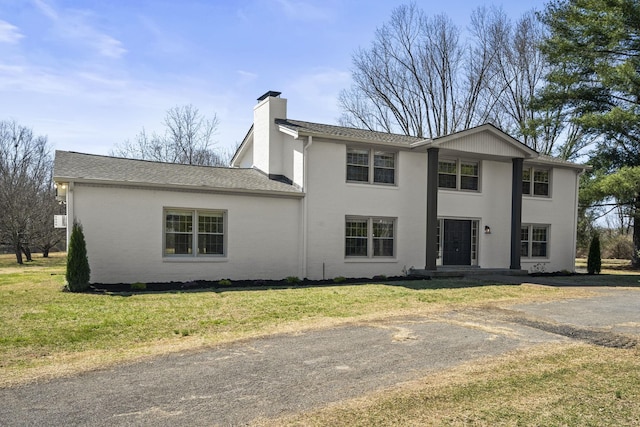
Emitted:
<point x="276" y="375"/>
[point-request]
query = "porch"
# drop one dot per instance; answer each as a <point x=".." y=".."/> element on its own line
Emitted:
<point x="466" y="271"/>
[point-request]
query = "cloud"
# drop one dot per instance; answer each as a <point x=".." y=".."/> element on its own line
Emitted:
<point x="9" y="33"/>
<point x="78" y="26"/>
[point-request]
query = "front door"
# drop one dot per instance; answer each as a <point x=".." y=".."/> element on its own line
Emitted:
<point x="456" y="247"/>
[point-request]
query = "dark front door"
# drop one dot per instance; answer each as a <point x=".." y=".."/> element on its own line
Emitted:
<point x="456" y="247"/>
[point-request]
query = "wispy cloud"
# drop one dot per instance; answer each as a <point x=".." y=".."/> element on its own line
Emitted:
<point x="78" y="27"/>
<point x="9" y="33"/>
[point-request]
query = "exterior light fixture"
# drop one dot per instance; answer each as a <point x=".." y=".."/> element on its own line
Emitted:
<point x="487" y="229"/>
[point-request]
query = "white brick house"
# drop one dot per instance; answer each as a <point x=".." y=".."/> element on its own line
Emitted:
<point x="320" y="201"/>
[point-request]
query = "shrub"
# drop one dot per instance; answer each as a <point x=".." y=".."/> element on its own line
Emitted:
<point x="138" y="286"/>
<point x="78" y="271"/>
<point x="619" y="246"/>
<point x="339" y="279"/>
<point x="224" y="282"/>
<point x="293" y="279"/>
<point x="594" y="261"/>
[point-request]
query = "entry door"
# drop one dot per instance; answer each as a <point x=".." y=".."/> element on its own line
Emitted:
<point x="456" y="247"/>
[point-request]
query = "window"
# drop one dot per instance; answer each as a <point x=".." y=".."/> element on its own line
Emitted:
<point x="359" y="168"/>
<point x="534" y="241"/>
<point x="194" y="233"/>
<point x="458" y="175"/>
<point x="540" y="182"/>
<point x="369" y="237"/>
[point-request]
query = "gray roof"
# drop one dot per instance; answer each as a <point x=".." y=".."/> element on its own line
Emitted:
<point x="71" y="166"/>
<point x="308" y="128"/>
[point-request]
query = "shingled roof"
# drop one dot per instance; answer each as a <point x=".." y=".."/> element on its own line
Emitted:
<point x="79" y="167"/>
<point x="340" y="132"/>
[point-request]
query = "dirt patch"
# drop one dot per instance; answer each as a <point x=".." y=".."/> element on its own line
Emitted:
<point x="591" y="336"/>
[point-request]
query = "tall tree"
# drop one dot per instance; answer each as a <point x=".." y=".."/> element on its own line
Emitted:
<point x="417" y="78"/>
<point x="594" y="51"/>
<point x="25" y="182"/>
<point x="187" y="138"/>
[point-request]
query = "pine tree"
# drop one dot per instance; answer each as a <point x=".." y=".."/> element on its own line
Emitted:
<point x="594" y="261"/>
<point x="78" y="271"/>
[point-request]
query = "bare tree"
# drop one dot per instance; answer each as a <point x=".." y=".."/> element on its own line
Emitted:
<point x="25" y="187"/>
<point x="418" y="78"/>
<point x="422" y="76"/>
<point x="187" y="138"/>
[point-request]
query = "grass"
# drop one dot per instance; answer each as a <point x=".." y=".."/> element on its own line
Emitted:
<point x="561" y="385"/>
<point x="46" y="333"/>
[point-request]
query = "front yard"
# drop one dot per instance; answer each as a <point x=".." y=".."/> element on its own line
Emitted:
<point x="46" y="333"/>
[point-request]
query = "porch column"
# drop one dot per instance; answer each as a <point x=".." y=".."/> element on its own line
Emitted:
<point x="516" y="212"/>
<point x="432" y="209"/>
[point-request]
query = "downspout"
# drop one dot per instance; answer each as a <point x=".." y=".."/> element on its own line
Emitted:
<point x="305" y="221"/>
<point x="575" y="219"/>
<point x="70" y="212"/>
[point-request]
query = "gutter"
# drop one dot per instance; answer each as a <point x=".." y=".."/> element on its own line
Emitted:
<point x="305" y="209"/>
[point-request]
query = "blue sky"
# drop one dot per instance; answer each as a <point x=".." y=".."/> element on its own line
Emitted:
<point x="92" y="73"/>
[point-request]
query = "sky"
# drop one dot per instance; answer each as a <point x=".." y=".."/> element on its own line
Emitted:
<point x="90" y="74"/>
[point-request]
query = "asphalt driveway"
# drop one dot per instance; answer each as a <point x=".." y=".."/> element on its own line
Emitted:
<point x="276" y="375"/>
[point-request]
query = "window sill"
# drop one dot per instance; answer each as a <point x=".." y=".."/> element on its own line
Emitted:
<point x="454" y="191"/>
<point x="529" y="196"/>
<point x="194" y="259"/>
<point x="373" y="185"/>
<point x="371" y="260"/>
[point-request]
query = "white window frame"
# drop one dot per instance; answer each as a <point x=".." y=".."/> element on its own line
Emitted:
<point x="459" y="162"/>
<point x="194" y="232"/>
<point x="370" y="237"/>
<point x="532" y="170"/>
<point x="531" y="242"/>
<point x="371" y="165"/>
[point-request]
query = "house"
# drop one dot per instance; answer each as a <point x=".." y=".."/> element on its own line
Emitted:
<point x="320" y="201"/>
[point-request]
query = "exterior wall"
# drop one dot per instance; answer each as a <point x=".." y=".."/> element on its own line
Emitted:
<point x="491" y="207"/>
<point x="559" y="212"/>
<point x="330" y="199"/>
<point x="124" y="233"/>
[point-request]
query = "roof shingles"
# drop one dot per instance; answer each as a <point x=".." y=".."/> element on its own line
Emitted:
<point x="73" y="166"/>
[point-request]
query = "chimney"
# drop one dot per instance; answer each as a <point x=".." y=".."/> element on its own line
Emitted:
<point x="267" y="139"/>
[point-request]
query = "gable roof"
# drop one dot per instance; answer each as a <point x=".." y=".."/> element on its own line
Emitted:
<point x="79" y="167"/>
<point x="346" y="133"/>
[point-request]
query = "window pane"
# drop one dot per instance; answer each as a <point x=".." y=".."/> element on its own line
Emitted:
<point x="446" y="181"/>
<point x="540" y="189"/>
<point x="447" y="167"/>
<point x="468" y="182"/>
<point x="178" y="244"/>
<point x="382" y="247"/>
<point x="179" y="221"/>
<point x="384" y="176"/>
<point x="524" y="241"/>
<point x="210" y="244"/>
<point x="357" y="237"/>
<point x="539" y="234"/>
<point x="357" y="157"/>
<point x="382" y="159"/>
<point x="524" y="249"/>
<point x="538" y="249"/>
<point x="382" y="228"/>
<point x="211" y="223"/>
<point x="357" y="228"/>
<point x="470" y="169"/>
<point x="526" y="187"/>
<point x="541" y="182"/>
<point x="355" y="247"/>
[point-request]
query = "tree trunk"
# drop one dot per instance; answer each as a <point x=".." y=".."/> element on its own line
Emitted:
<point x="45" y="251"/>
<point x="18" y="252"/>
<point x="635" y="256"/>
<point x="27" y="252"/>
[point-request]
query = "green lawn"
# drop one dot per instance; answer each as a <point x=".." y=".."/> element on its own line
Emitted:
<point x="45" y="332"/>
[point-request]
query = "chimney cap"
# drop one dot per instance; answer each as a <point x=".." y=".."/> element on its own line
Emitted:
<point x="268" y="94"/>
